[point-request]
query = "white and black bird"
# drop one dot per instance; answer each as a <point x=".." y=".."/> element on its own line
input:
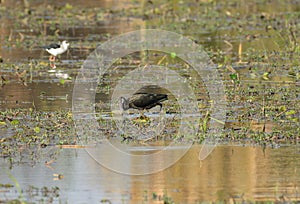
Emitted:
<point x="56" y="49"/>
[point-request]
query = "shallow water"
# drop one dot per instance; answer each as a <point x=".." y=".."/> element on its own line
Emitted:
<point x="230" y="172"/>
<point x="258" y="32"/>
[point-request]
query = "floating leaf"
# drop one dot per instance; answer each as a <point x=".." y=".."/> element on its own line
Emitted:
<point x="220" y="65"/>
<point x="290" y="112"/>
<point x="173" y="55"/>
<point x="37" y="130"/>
<point x="296" y="120"/>
<point x="282" y="108"/>
<point x="43" y="63"/>
<point x="2" y="123"/>
<point x="266" y="76"/>
<point x="233" y="76"/>
<point x="62" y="81"/>
<point x="68" y="6"/>
<point x="15" y="122"/>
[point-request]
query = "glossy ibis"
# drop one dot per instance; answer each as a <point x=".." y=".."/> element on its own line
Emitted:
<point x="143" y="101"/>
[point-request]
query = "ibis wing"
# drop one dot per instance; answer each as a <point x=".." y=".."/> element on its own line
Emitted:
<point x="147" y="101"/>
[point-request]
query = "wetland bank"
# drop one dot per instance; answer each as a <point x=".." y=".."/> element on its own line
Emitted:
<point x="255" y="48"/>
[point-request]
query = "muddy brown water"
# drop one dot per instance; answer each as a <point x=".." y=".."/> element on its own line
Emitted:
<point x="230" y="173"/>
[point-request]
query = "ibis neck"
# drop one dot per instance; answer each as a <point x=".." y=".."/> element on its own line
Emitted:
<point x="124" y="104"/>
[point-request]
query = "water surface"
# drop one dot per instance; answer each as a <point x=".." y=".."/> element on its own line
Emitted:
<point x="230" y="172"/>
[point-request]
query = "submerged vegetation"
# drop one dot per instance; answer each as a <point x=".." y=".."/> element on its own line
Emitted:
<point x="254" y="45"/>
<point x="256" y="52"/>
<point x="29" y="136"/>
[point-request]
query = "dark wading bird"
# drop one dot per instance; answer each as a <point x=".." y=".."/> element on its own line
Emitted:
<point x="56" y="49"/>
<point x="143" y="101"/>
